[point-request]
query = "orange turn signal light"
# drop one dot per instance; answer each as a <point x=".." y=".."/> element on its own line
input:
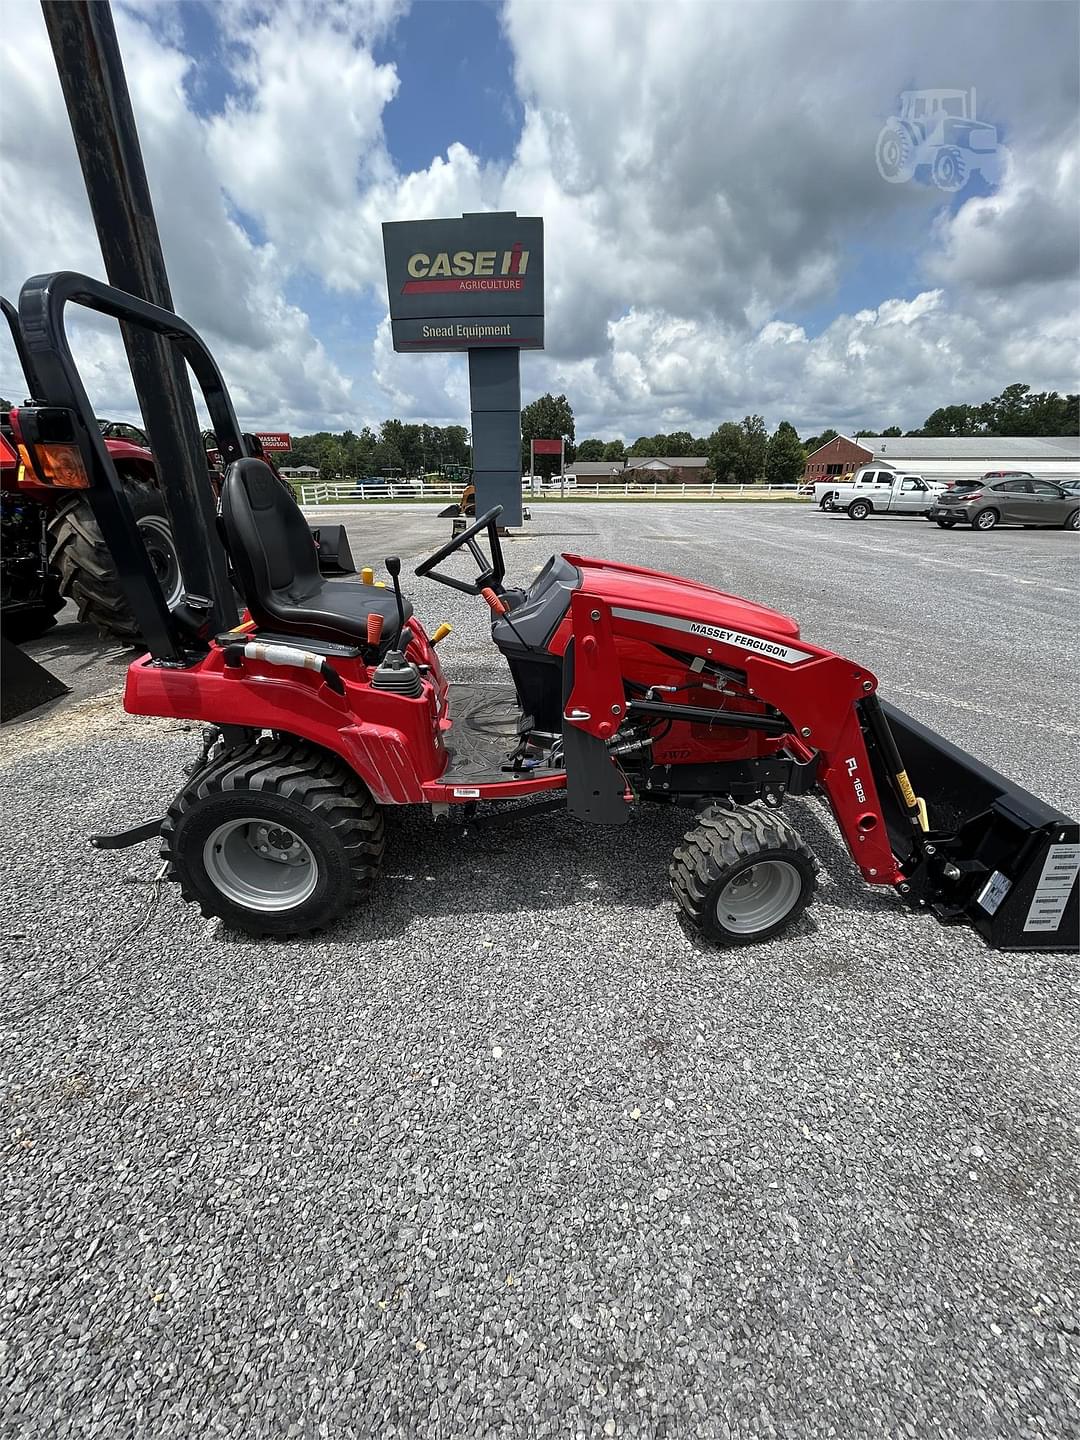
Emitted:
<point x="57" y="464"/>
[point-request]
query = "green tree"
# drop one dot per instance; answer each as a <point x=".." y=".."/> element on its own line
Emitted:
<point x="590" y="450"/>
<point x="614" y="450"/>
<point x="549" y="418"/>
<point x="890" y="430"/>
<point x="953" y="420"/>
<point x="751" y="463"/>
<point x="725" y="446"/>
<point x="815" y="442"/>
<point x="784" y="456"/>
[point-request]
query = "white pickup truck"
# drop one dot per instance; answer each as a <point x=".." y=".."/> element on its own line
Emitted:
<point x="873" y="491"/>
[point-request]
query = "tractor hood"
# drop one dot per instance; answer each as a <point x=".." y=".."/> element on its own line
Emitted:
<point x="633" y="588"/>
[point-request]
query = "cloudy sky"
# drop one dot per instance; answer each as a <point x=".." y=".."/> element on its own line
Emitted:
<point x="718" y="237"/>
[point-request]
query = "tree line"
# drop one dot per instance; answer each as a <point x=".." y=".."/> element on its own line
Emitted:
<point x="738" y="451"/>
<point x="399" y="448"/>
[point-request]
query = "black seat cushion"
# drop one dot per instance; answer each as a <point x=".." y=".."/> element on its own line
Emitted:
<point x="276" y="562"/>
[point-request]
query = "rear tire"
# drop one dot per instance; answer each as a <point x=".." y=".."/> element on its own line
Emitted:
<point x="859" y="509"/>
<point x="742" y="875"/>
<point x="276" y="838"/>
<point x="946" y="524"/>
<point x="86" y="570"/>
<point x="985" y="520"/>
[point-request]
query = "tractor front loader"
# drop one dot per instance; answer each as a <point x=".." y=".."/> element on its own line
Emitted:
<point x="327" y="702"/>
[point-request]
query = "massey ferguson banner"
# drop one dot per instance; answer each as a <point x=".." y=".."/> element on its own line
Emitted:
<point x="274" y="440"/>
<point x="462" y="284"/>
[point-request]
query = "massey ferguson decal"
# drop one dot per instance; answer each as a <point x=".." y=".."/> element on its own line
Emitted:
<point x="774" y="649"/>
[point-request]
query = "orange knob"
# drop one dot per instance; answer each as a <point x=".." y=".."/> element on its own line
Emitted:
<point x="374" y="628"/>
<point x="493" y="600"/>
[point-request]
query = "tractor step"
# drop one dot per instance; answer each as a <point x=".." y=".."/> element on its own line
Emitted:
<point x="485" y="732"/>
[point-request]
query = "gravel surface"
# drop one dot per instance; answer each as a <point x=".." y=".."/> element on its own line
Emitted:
<point x="510" y="1153"/>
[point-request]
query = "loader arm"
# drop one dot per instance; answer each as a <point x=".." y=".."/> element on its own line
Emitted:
<point x="798" y="701"/>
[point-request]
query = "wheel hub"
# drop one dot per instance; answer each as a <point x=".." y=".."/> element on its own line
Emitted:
<point x="758" y="897"/>
<point x="259" y="865"/>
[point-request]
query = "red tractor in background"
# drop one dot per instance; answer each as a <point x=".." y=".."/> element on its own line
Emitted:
<point x="52" y="548"/>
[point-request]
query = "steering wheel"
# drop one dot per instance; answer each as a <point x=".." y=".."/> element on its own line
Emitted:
<point x="491" y="571"/>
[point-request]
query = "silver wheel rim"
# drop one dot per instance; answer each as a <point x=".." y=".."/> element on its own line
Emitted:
<point x="157" y="537"/>
<point x="985" y="521"/>
<point x="758" y="897"/>
<point x="260" y="865"/>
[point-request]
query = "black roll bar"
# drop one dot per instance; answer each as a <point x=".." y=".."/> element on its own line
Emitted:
<point x="42" y="305"/>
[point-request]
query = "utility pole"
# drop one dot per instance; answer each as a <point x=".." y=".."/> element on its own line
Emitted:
<point x="91" y="71"/>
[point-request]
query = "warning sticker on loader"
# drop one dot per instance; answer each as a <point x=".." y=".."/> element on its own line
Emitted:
<point x="1059" y="872"/>
<point x="993" y="892"/>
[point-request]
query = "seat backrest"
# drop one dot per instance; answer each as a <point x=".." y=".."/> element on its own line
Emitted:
<point x="272" y="549"/>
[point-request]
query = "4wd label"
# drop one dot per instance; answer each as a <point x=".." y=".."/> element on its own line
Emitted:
<point x="757" y="644"/>
<point x="1059" y="872"/>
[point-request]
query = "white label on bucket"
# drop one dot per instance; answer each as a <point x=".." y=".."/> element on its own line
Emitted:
<point x="993" y="892"/>
<point x="461" y="793"/>
<point x="1058" y="876"/>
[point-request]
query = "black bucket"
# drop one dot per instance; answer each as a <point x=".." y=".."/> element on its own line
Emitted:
<point x="996" y="857"/>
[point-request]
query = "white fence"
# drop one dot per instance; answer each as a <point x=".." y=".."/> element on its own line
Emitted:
<point x="343" y="491"/>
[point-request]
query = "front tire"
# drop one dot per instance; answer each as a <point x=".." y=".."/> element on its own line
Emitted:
<point x="859" y="509"/>
<point x="949" y="170"/>
<point x="276" y="838"/>
<point x="87" y="574"/>
<point x="742" y="875"/>
<point x="1073" y="522"/>
<point x="985" y="520"/>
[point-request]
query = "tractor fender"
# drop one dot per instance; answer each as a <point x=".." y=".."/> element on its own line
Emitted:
<point x="395" y="750"/>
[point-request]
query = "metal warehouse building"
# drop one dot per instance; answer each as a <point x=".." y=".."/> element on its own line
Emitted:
<point x="1051" y="457"/>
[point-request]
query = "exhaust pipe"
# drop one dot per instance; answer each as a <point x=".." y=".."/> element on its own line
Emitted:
<point x="994" y="857"/>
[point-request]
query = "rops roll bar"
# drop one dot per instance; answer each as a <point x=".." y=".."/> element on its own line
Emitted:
<point x="51" y="370"/>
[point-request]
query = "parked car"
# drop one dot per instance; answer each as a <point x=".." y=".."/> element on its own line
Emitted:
<point x="1016" y="501"/>
<point x="907" y="495"/>
<point x="1071" y="486"/>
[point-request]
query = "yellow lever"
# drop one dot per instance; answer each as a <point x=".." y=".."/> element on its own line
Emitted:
<point x="442" y="632"/>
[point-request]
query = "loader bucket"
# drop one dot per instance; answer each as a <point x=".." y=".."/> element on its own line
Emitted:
<point x="995" y="857"/>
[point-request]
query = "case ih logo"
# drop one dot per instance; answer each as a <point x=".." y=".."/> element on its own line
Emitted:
<point x="466" y="270"/>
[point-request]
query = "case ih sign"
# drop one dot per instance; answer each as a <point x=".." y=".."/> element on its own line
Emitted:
<point x="465" y="284"/>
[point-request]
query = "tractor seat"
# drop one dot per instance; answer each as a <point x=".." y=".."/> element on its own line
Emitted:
<point x="277" y="565"/>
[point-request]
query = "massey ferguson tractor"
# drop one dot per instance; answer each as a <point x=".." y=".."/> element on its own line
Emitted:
<point x="327" y="702"/>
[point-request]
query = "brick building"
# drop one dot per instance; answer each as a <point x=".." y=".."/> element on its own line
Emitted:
<point x="835" y="457"/>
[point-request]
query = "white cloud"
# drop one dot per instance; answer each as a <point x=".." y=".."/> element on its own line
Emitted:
<point x="706" y="175"/>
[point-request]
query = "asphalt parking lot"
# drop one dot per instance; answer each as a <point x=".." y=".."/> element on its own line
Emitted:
<point x="510" y="1152"/>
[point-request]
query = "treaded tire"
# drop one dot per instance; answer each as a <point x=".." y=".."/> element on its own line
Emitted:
<point x="288" y="784"/>
<point x="721" y="845"/>
<point x="985" y="520"/>
<point x="859" y="509"/>
<point x="1072" y="522"/>
<point x="82" y="561"/>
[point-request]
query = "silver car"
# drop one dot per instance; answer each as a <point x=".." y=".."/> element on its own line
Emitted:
<point x="1020" y="500"/>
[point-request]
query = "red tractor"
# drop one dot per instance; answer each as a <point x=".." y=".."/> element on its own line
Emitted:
<point x="52" y="548"/>
<point x="327" y="702"/>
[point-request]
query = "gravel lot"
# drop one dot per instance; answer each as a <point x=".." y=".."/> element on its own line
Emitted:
<point x="511" y="1153"/>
